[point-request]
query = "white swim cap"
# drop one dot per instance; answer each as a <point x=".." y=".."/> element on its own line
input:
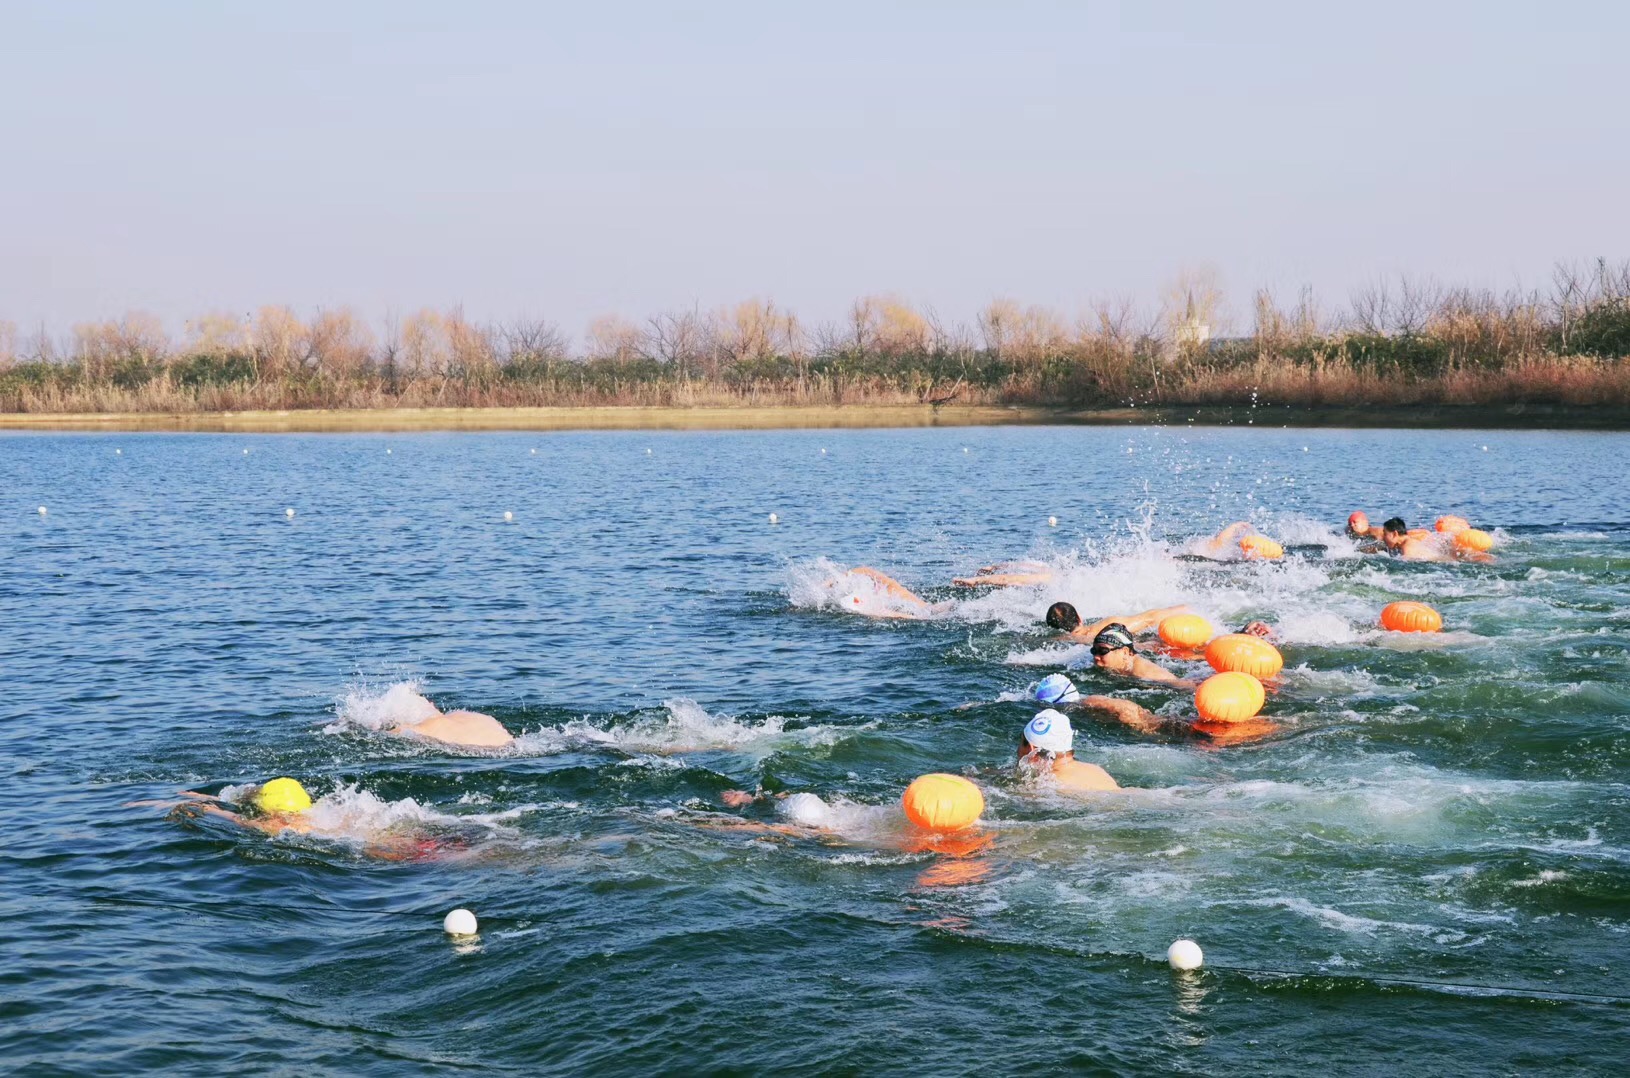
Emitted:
<point x="1056" y="689"/>
<point x="1050" y="731"/>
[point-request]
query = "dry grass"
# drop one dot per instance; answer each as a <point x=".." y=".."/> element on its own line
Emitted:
<point x="1411" y="346"/>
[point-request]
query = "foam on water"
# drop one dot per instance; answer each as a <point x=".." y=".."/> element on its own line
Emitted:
<point x="365" y="708"/>
<point x="683" y="726"/>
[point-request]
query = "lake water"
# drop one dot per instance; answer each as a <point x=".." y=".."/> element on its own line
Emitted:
<point x="1426" y="869"/>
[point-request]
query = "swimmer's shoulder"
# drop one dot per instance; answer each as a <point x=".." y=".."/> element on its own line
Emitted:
<point x="1080" y="777"/>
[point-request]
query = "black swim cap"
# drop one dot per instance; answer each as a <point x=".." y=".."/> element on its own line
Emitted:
<point x="1112" y="637"/>
<point x="1063" y="616"/>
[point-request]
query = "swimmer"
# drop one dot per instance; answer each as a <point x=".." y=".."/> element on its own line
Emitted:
<point x="282" y="806"/>
<point x="1113" y="650"/>
<point x="1259" y="629"/>
<point x="1056" y="690"/>
<point x="1358" y="527"/>
<point x="1397" y="540"/>
<point x="1013" y="574"/>
<point x="1226" y="542"/>
<point x="1048" y="747"/>
<point x="468" y="729"/>
<point x="1064" y="617"/>
<point x="918" y="607"/>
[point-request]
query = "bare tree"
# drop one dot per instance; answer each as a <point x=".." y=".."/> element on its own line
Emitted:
<point x="675" y="338"/>
<point x="532" y="340"/>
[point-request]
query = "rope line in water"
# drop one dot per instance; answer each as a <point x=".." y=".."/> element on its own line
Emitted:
<point x="1603" y="999"/>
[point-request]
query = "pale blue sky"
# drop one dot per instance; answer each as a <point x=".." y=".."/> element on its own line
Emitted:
<point x="564" y="161"/>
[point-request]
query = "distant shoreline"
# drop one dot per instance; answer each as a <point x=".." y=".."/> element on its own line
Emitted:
<point x="796" y="417"/>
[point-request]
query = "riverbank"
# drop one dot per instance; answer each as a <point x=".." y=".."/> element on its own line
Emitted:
<point x="1511" y="417"/>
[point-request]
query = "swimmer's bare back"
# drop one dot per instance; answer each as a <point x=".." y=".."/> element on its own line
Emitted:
<point x="1077" y="776"/>
<point x="470" y="729"/>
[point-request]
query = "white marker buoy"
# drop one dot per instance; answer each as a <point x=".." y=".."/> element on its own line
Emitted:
<point x="388" y="452"/>
<point x="1185" y="955"/>
<point x="508" y="516"/>
<point x="246" y="452"/>
<point x="647" y="452"/>
<point x="459" y="923"/>
<point x="774" y="519"/>
<point x="118" y="452"/>
<point x="823" y="452"/>
<point x="42" y="510"/>
<point x="1052" y="522"/>
<point x="1485" y="449"/>
<point x="964" y="449"/>
<point x="289" y="513"/>
<point x="534" y="452"/>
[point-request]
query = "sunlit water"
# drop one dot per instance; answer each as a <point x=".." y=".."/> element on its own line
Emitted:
<point x="1427" y="868"/>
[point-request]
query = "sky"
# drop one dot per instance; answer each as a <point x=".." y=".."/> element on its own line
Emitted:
<point x="564" y="161"/>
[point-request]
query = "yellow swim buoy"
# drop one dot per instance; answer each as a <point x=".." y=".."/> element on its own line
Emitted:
<point x="941" y="802"/>
<point x="1185" y="630"/>
<point x="1410" y="617"/>
<point x="1244" y="654"/>
<point x="1260" y="546"/>
<point x="1229" y="697"/>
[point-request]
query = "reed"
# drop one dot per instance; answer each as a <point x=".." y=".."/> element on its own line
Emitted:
<point x="1404" y="344"/>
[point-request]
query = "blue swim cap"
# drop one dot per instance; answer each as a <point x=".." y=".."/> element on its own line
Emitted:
<point x="1056" y="689"/>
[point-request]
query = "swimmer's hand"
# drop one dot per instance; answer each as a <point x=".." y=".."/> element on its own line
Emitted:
<point x="738" y="798"/>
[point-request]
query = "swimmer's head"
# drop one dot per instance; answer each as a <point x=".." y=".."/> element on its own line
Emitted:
<point x="1358" y="524"/>
<point x="1056" y="690"/>
<point x="1112" y="637"/>
<point x="282" y="797"/>
<point x="1050" y="732"/>
<point x="1257" y="628"/>
<point x="1062" y="616"/>
<point x="1394" y="532"/>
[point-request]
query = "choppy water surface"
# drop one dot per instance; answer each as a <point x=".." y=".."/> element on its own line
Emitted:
<point x="1428" y="868"/>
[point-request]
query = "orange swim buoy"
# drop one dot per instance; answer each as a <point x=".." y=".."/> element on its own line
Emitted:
<point x="1419" y="533"/>
<point x="1186" y="631"/>
<point x="1260" y="546"/>
<point x="1451" y="525"/>
<point x="1229" y="697"/>
<point x="1244" y="654"/>
<point x="1475" y="539"/>
<point x="1408" y="617"/>
<point x="941" y="802"/>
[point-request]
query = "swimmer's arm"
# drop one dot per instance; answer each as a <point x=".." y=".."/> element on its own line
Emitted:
<point x="1138" y="623"/>
<point x="1124" y="711"/>
<point x="188" y="797"/>
<point x="1149" y="671"/>
<point x="1002" y="580"/>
